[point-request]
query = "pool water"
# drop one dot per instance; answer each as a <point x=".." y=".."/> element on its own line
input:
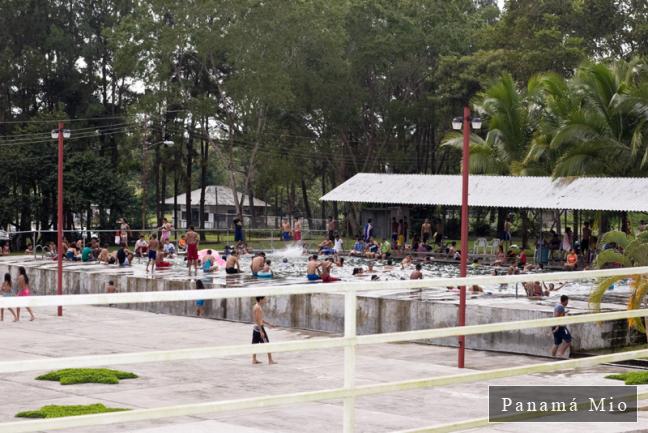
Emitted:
<point x="289" y="267"/>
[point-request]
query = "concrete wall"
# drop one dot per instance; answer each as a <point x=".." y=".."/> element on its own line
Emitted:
<point x="325" y="312"/>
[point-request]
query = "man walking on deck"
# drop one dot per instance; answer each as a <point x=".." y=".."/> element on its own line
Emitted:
<point x="561" y="335"/>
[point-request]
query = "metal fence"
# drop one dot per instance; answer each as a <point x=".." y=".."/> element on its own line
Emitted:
<point x="350" y="341"/>
<point x="269" y="236"/>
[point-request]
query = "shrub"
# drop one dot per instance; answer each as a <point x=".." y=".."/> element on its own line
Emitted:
<point x="54" y="411"/>
<point x="69" y="376"/>
<point x="631" y="378"/>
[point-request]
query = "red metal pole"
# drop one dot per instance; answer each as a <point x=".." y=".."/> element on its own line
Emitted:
<point x="463" y="266"/>
<point x="59" y="218"/>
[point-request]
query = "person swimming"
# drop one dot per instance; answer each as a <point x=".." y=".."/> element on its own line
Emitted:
<point x="266" y="272"/>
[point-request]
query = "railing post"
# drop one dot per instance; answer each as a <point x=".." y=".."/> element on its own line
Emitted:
<point x="350" y="308"/>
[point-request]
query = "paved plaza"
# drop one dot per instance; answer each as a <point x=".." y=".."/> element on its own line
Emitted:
<point x="97" y="330"/>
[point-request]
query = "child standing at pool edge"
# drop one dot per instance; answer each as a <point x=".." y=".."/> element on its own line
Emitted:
<point x="7" y="291"/>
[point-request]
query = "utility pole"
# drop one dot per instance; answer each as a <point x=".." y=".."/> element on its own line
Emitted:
<point x="60" y="134"/>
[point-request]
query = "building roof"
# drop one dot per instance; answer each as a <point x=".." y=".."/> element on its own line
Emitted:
<point x="216" y="195"/>
<point x="583" y="193"/>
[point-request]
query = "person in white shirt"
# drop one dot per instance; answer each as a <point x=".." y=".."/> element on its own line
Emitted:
<point x="338" y="246"/>
<point x="141" y="247"/>
<point x="169" y="248"/>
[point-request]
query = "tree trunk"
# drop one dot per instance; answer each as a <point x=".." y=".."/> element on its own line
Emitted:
<point x="163" y="193"/>
<point x="156" y="179"/>
<point x="190" y="151"/>
<point x="501" y="217"/>
<point x="525" y="228"/>
<point x="323" y="203"/>
<point x="625" y="224"/>
<point x="250" y="194"/>
<point x="175" y="202"/>
<point x="204" y="155"/>
<point x="307" y="208"/>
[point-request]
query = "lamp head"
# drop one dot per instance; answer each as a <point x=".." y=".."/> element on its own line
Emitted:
<point x="457" y="123"/>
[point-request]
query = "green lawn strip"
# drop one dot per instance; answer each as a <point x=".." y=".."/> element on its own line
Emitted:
<point x="69" y="376"/>
<point x="631" y="378"/>
<point x="55" y="411"/>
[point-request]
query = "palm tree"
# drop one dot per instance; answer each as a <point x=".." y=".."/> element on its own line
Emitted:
<point x="632" y="252"/>
<point x="601" y="134"/>
<point x="510" y="130"/>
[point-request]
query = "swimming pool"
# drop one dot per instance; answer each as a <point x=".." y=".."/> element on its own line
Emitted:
<point x="289" y="267"/>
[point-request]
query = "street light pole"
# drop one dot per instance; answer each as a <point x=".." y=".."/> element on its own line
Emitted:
<point x="60" y="134"/>
<point x="465" y="123"/>
<point x="463" y="266"/>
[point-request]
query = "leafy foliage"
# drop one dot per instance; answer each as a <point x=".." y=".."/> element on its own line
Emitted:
<point x="70" y="376"/>
<point x="632" y="253"/>
<point x="631" y="378"/>
<point x="56" y="411"/>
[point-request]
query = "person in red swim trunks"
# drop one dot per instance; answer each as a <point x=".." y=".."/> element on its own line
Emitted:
<point x="192" y="249"/>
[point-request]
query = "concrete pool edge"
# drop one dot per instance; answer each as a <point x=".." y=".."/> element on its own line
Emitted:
<point x="325" y="312"/>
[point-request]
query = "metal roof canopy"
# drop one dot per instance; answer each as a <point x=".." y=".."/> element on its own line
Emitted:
<point x="216" y="195"/>
<point x="576" y="193"/>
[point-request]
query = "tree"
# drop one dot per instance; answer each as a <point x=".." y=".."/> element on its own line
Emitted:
<point x="634" y="252"/>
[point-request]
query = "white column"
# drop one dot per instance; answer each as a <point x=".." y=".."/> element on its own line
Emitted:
<point x="350" y="307"/>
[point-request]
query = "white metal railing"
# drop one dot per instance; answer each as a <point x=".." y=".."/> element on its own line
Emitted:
<point x="349" y="392"/>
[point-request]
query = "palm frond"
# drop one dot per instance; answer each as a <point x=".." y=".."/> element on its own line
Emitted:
<point x="598" y="291"/>
<point x="639" y="290"/>
<point x="615" y="236"/>
<point x="638" y="255"/>
<point x="643" y="236"/>
<point x="610" y="257"/>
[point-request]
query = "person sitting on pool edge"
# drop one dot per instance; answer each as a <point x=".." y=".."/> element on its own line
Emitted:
<point x="232" y="265"/>
<point x="326" y="247"/>
<point x="313" y="268"/>
<point x="571" y="262"/>
<point x="169" y="248"/>
<point x="358" y="247"/>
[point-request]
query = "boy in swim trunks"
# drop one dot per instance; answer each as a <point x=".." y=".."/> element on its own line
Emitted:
<point x="192" y="249"/>
<point x="259" y="335"/>
<point x="297" y="230"/>
<point x="232" y="265"/>
<point x="152" y="252"/>
<point x="313" y="268"/>
<point x="285" y="230"/>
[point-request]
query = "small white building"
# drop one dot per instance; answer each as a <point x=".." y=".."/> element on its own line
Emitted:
<point x="220" y="208"/>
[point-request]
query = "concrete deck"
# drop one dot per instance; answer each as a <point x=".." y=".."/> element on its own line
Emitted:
<point x="96" y="330"/>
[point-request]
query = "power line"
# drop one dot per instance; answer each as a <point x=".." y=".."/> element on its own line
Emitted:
<point x="80" y="119"/>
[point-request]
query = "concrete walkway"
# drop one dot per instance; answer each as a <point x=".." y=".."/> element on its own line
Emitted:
<point x="96" y="330"/>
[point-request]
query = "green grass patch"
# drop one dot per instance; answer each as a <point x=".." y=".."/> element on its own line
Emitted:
<point x="54" y="411"/>
<point x="70" y="376"/>
<point x="631" y="378"/>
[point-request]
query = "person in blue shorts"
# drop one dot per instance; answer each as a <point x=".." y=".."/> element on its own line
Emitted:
<point x="152" y="252"/>
<point x="313" y="268"/>
<point x="561" y="335"/>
